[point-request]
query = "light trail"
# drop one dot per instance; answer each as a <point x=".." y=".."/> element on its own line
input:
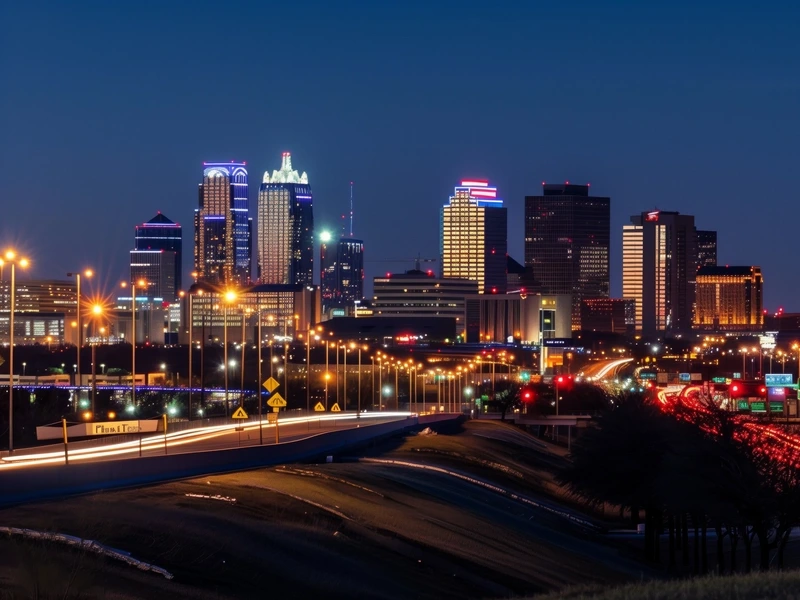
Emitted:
<point x="614" y="364"/>
<point x="179" y="438"/>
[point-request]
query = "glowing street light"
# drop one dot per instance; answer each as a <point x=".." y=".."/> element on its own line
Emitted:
<point x="11" y="258"/>
<point x="97" y="311"/>
<point x="141" y="283"/>
<point x="79" y="342"/>
<point x="229" y="297"/>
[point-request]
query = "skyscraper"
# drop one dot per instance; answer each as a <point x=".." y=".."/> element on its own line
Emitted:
<point x="341" y="271"/>
<point x="632" y="268"/>
<point x="157" y="268"/>
<point x="658" y="270"/>
<point x="567" y="242"/>
<point x="285" y="227"/>
<point x="706" y="249"/>
<point x="222" y="228"/>
<point x="474" y="236"/>
<point x="159" y="233"/>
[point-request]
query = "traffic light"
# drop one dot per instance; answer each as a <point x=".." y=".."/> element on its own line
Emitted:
<point x="736" y="390"/>
<point x="564" y="382"/>
<point x="527" y="395"/>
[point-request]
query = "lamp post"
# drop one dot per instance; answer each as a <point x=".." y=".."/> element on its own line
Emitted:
<point x="79" y="341"/>
<point x="12" y="258"/>
<point x="142" y="284"/>
<point x="241" y="375"/>
<point x="97" y="311"/>
<point x="380" y="382"/>
<point x="258" y="383"/>
<point x="327" y="372"/>
<point x="396" y="386"/>
<point x="336" y="348"/>
<point x="229" y="297"/>
<point x="308" y="370"/>
<point x="372" y="371"/>
<point x="188" y="297"/>
<point x="344" y="374"/>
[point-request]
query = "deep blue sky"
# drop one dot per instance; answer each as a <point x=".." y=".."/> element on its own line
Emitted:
<point x="108" y="109"/>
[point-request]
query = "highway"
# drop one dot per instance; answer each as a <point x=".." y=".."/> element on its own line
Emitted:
<point x="200" y="439"/>
<point x="604" y="368"/>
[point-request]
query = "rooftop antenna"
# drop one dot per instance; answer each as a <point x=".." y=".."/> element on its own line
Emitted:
<point x="351" y="209"/>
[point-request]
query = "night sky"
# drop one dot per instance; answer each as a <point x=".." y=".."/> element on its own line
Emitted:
<point x="110" y="108"/>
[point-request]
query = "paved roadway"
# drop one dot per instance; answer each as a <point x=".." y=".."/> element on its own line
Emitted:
<point x="201" y="439"/>
<point x="604" y="368"/>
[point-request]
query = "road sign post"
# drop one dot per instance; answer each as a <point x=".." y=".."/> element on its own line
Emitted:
<point x="273" y="418"/>
<point x="66" y="451"/>
<point x="165" y="433"/>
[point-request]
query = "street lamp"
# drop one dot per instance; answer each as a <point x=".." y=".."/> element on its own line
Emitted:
<point x="11" y="258"/>
<point x="134" y="284"/>
<point x="79" y="342"/>
<point x="229" y="297"/>
<point x="188" y="297"/>
<point x="97" y="312"/>
<point x="24" y="364"/>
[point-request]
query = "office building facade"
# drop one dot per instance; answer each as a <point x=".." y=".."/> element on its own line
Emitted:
<point x="44" y="312"/>
<point x="608" y="315"/>
<point x="341" y="271"/>
<point x="160" y="233"/>
<point x="223" y="229"/>
<point x="157" y="269"/>
<point x="659" y="267"/>
<point x="421" y="294"/>
<point x="528" y="319"/>
<point x="706" y="248"/>
<point x="474" y="237"/>
<point x="567" y="242"/>
<point x="729" y="299"/>
<point x="285" y="227"/>
<point x="285" y="311"/>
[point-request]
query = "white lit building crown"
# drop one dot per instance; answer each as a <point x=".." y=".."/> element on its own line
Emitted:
<point x="286" y="173"/>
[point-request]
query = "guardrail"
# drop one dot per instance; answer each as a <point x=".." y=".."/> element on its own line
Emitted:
<point x="175" y="426"/>
<point x="51" y="481"/>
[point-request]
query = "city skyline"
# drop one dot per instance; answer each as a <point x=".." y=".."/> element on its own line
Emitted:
<point x="683" y="116"/>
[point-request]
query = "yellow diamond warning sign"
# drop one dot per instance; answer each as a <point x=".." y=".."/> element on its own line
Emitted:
<point x="239" y="414"/>
<point x="335" y="408"/>
<point x="270" y="384"/>
<point x="319" y="407"/>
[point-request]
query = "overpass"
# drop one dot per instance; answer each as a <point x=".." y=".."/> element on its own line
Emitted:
<point x="39" y="474"/>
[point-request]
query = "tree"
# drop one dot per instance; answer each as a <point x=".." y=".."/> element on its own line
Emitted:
<point x="506" y="397"/>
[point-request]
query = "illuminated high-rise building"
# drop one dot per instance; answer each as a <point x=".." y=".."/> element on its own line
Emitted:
<point x="729" y="299"/>
<point x="706" y="249"/>
<point x="659" y="254"/>
<point x="567" y="242"/>
<point x="222" y="228"/>
<point x="285" y="227"/>
<point x="341" y="271"/>
<point x="474" y="237"/>
<point x="161" y="234"/>
<point x="632" y="250"/>
<point x="157" y="268"/>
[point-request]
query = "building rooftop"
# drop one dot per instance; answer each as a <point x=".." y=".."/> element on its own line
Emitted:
<point x="160" y="219"/>
<point x="727" y="270"/>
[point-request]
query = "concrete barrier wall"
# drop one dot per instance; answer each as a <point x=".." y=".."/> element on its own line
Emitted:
<point x="39" y="483"/>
